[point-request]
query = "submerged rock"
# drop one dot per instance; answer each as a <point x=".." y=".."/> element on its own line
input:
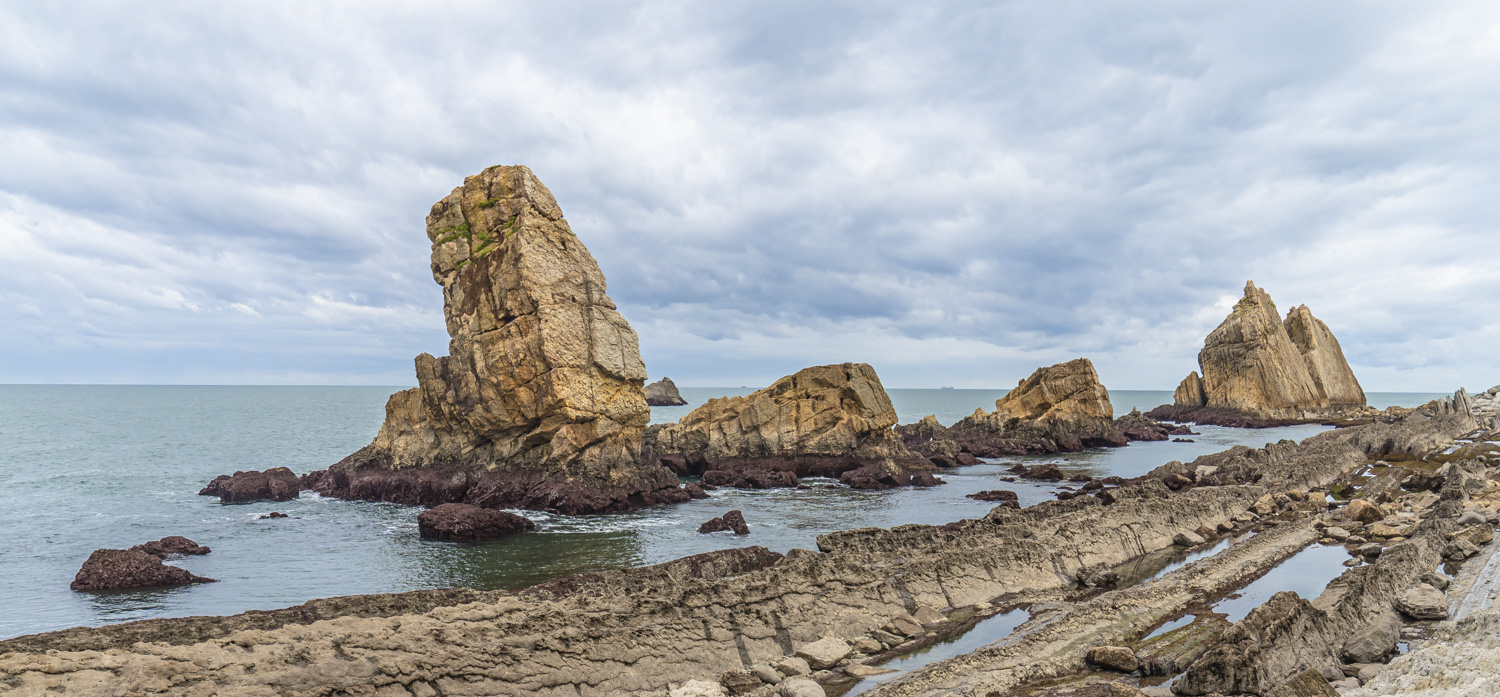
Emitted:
<point x="663" y="393"/>
<point x="823" y="421"/>
<point x="1060" y="408"/>
<point x="540" y="403"/>
<point x="171" y="546"/>
<point x="461" y="522"/>
<point x="275" y="484"/>
<point x="1260" y="370"/>
<point x="732" y="521"/>
<point x="113" y="569"/>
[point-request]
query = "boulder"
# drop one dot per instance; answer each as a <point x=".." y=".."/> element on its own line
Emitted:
<point x="663" y="393"/>
<point x="1113" y="657"/>
<point x="821" y="421"/>
<point x="1048" y="472"/>
<point x="1374" y="641"/>
<point x="275" y="484"/>
<point x="1363" y="511"/>
<point x="171" y="546"/>
<point x="461" y="522"/>
<point x="540" y="402"/>
<point x="1188" y="538"/>
<point x="1423" y="602"/>
<point x="1261" y="366"/>
<point x="739" y="682"/>
<point x="792" y="666"/>
<point x="1119" y="689"/>
<point x="1308" y="683"/>
<point x="113" y="569"/>
<point x="996" y="495"/>
<point x="698" y="688"/>
<point x="801" y="687"/>
<point x="926" y="615"/>
<point x="1059" y="408"/>
<point x="732" y="521"/>
<point x="824" y="653"/>
<point x="767" y="674"/>
<point x="1139" y="427"/>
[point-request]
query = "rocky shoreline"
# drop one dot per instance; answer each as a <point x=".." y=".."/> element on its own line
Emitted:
<point x="718" y="617"/>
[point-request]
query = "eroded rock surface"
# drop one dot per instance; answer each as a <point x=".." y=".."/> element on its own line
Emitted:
<point x="114" y="569"/>
<point x="539" y="403"/>
<point x="1262" y="370"/>
<point x="461" y="522"/>
<point x="1059" y="408"/>
<point x="172" y="546"/>
<point x="663" y="393"/>
<point x="275" y="484"/>
<point x="822" y="421"/>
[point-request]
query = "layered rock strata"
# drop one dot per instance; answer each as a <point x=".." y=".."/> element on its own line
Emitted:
<point x="663" y="393"/>
<point x="539" y="403"/>
<point x="827" y="421"/>
<point x="713" y="614"/>
<point x="1060" y="408"/>
<point x="1262" y="370"/>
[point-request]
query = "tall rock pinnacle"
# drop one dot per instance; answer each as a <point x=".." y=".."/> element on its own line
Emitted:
<point x="539" y="403"/>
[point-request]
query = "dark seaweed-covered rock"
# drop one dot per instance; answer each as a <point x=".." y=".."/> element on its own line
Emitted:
<point x="113" y="569"/>
<point x="171" y="546"/>
<point x="1048" y="472"/>
<point x="749" y="477"/>
<point x="732" y="521"/>
<point x="275" y="484"/>
<point x="461" y="522"/>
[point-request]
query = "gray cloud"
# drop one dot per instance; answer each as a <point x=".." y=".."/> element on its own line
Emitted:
<point x="955" y="192"/>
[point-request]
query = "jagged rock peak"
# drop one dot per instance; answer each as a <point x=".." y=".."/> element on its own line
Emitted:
<point x="1061" y="407"/>
<point x="663" y="393"/>
<point x="1256" y="363"/>
<point x="542" y="387"/>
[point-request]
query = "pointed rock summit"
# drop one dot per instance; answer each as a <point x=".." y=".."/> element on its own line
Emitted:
<point x="663" y="393"/>
<point x="1261" y="370"/>
<point x="1060" y="408"/>
<point x="539" y="403"/>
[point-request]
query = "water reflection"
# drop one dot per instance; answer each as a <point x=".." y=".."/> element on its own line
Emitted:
<point x="983" y="633"/>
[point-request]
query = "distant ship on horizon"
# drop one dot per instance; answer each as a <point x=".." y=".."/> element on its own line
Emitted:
<point x="946" y="387"/>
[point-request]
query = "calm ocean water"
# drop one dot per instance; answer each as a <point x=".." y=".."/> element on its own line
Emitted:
<point x="84" y="467"/>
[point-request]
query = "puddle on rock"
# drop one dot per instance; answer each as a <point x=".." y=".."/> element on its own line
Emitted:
<point x="1306" y="573"/>
<point x="986" y="631"/>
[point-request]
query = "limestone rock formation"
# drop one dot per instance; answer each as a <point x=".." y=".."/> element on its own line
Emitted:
<point x="1262" y="370"/>
<point x="822" y="421"/>
<point x="663" y="393"/>
<point x="935" y="442"/>
<point x="113" y="569"/>
<point x="275" y="484"/>
<point x="1060" y="408"/>
<point x="539" y="403"/>
<point x="461" y="522"/>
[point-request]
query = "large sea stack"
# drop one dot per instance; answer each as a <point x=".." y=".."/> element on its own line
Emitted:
<point x="1262" y="370"/>
<point x="539" y="403"/>
<point x="1060" y="408"/>
<point x="829" y="420"/>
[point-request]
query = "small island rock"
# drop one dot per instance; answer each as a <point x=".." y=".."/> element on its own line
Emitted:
<point x="275" y="484"/>
<point x="732" y="521"/>
<point x="171" y="546"/>
<point x="663" y="393"/>
<point x="461" y="522"/>
<point x="113" y="569"/>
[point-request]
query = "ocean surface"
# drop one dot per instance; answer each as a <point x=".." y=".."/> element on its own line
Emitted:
<point x="84" y="467"/>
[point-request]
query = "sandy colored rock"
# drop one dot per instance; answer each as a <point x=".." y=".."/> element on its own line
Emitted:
<point x="792" y="666"/>
<point x="663" y="393"/>
<point x="698" y="688"/>
<point x="539" y="403"/>
<point x="824" y="653"/>
<point x="1462" y="659"/>
<point x="1260" y="365"/>
<point x="1119" y="658"/>
<point x="1059" y="408"/>
<point x="1308" y="683"/>
<point x="821" y="421"/>
<point x="1423" y="602"/>
<point x="1363" y="511"/>
<point x="801" y="687"/>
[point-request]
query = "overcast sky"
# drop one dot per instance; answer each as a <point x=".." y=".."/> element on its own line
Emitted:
<point x="955" y="192"/>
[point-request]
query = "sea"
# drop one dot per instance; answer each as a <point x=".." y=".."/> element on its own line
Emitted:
<point x="89" y="466"/>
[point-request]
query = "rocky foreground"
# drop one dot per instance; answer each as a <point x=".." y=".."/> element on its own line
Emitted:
<point x="750" y="621"/>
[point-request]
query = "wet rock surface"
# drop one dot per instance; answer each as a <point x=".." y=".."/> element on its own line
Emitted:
<point x="733" y="521"/>
<point x="172" y="546"/>
<point x="115" y="569"/>
<point x="275" y="484"/>
<point x="461" y="522"/>
<point x="540" y="403"/>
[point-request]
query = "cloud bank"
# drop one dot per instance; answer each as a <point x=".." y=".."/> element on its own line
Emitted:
<point x="954" y="192"/>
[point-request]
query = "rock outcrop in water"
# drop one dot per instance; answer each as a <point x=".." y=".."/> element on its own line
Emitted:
<point x="172" y="546"/>
<point x="461" y="522"/>
<point x="829" y="421"/>
<point x="114" y="569"/>
<point x="1262" y="370"/>
<point x="275" y="484"/>
<point x="539" y="403"/>
<point x="663" y="393"/>
<point x="1060" y="408"/>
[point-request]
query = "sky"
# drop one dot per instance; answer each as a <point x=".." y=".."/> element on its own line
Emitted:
<point x="955" y="192"/>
